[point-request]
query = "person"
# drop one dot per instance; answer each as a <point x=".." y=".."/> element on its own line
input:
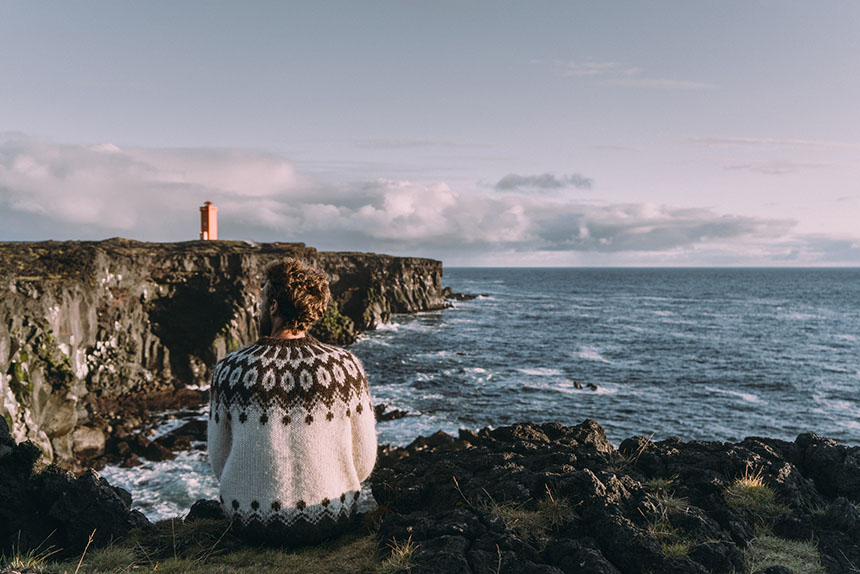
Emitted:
<point x="291" y="430"/>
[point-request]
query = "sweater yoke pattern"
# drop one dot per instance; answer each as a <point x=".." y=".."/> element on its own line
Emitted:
<point x="266" y="376"/>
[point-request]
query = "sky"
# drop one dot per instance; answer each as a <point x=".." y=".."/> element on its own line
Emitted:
<point x="545" y="133"/>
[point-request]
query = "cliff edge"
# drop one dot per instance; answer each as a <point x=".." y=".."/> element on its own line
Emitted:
<point x="88" y="327"/>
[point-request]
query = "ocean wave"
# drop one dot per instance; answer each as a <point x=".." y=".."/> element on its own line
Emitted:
<point x="166" y="489"/>
<point x="799" y="316"/>
<point x="435" y="354"/>
<point x="541" y="372"/>
<point x="845" y="337"/>
<point x="748" y="397"/>
<point x="590" y="353"/>
<point x="394" y="327"/>
<point x="835" y="369"/>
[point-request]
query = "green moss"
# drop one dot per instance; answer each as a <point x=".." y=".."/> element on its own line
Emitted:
<point x="676" y="549"/>
<point x="21" y="385"/>
<point x="44" y="351"/>
<point x="334" y="327"/>
<point x="231" y="343"/>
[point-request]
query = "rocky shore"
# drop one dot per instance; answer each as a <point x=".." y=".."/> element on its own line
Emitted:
<point x="551" y="499"/>
<point x="95" y="336"/>
<point x="532" y="498"/>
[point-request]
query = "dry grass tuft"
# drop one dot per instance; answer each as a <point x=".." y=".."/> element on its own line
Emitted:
<point x="401" y="559"/>
<point x="533" y="524"/>
<point x="750" y="495"/>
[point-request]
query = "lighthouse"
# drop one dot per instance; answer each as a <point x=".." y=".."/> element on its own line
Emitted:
<point x="208" y="221"/>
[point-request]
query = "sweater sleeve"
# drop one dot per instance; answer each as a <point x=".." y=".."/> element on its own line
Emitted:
<point x="364" y="434"/>
<point x="219" y="434"/>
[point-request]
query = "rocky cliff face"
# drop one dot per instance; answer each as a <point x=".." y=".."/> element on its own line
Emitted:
<point x="84" y="323"/>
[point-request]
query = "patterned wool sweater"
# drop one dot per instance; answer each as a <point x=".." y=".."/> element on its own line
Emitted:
<point x="291" y="436"/>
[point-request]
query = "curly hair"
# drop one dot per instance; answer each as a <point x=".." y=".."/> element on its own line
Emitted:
<point x="301" y="291"/>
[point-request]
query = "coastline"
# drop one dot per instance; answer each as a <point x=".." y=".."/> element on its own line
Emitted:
<point x="547" y="498"/>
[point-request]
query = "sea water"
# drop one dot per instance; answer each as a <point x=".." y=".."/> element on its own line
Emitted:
<point x="710" y="354"/>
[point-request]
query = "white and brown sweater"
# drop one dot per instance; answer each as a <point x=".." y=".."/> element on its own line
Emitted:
<point x="291" y="436"/>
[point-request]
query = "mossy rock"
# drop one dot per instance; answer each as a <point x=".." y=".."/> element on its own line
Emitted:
<point x="334" y="327"/>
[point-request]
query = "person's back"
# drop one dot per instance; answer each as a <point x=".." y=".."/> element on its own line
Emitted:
<point x="291" y="428"/>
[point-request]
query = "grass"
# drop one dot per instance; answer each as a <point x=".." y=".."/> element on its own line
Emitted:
<point x="112" y="558"/>
<point x="799" y="556"/>
<point x="28" y="561"/>
<point x="673" y="542"/>
<point x="668" y="502"/>
<point x="622" y="461"/>
<point x="401" y="559"/>
<point x="33" y="560"/>
<point x="750" y="495"/>
<point x="208" y="547"/>
<point x="527" y="520"/>
<point x="660" y="484"/>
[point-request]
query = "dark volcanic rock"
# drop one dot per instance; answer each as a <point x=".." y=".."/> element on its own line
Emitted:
<point x="548" y="498"/>
<point x="47" y="507"/>
<point x="383" y="413"/>
<point x="449" y="294"/>
<point x="205" y="510"/>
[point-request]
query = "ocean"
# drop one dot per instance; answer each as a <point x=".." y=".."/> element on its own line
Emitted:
<point x="707" y="354"/>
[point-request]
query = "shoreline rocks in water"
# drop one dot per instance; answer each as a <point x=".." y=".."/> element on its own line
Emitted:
<point x="450" y="295"/>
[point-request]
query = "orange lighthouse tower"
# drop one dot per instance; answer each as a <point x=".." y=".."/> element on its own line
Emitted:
<point x="208" y="221"/>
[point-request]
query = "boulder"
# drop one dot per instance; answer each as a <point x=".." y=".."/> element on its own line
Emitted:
<point x="47" y="507"/>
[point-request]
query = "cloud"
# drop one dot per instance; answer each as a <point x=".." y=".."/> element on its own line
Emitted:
<point x="88" y="192"/>
<point x="618" y="74"/>
<point x="776" y="167"/>
<point x="414" y="144"/>
<point x="591" y="69"/>
<point x="543" y="181"/>
<point x="118" y="190"/>
<point x="647" y="227"/>
<point x="662" y="83"/>
<point x="770" y="142"/>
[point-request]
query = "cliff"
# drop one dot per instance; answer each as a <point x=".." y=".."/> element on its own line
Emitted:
<point x="90" y="328"/>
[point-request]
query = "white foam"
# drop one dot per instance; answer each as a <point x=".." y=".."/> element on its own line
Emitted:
<point x="541" y="372"/>
<point x="166" y="489"/>
<point x="748" y="397"/>
<point x="590" y="353"/>
<point x="834" y="369"/>
<point x="798" y="316"/>
<point x="404" y="326"/>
